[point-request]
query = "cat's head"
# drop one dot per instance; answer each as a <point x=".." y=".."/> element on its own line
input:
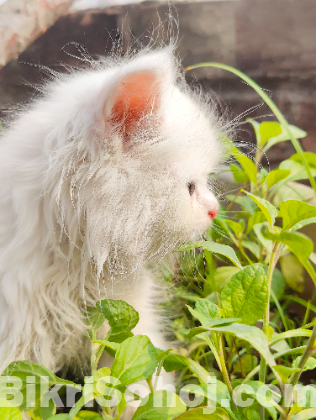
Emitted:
<point x="139" y="147"/>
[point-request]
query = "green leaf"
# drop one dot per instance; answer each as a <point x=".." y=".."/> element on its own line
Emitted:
<point x="253" y="335"/>
<point x="308" y="414"/>
<point x="207" y="308"/>
<point x="161" y="405"/>
<point x="110" y="346"/>
<point x="225" y="250"/>
<point x="283" y="136"/>
<point x="299" y="244"/>
<point x="309" y="157"/>
<point x="303" y="223"/>
<point x="238" y="173"/>
<point x="294" y="211"/>
<point x="135" y="360"/>
<point x="46" y="408"/>
<point x="26" y="369"/>
<point x="62" y="416"/>
<point x="88" y="415"/>
<point x="299" y="332"/>
<point x="175" y="362"/>
<point x="268" y="209"/>
<point x="292" y="191"/>
<point x="246" y="294"/>
<point x="285" y="372"/>
<point x="298" y="171"/>
<point x="198" y="414"/>
<point x="266" y="243"/>
<point x="256" y="127"/>
<point x="94" y="317"/>
<point x="277" y="175"/>
<point x="222" y="275"/>
<point x="246" y="163"/>
<point x="254" y="219"/>
<point x="268" y="130"/>
<point x="278" y="283"/>
<point x="293" y="272"/>
<point x="122" y="317"/>
<point x="309" y="365"/>
<point x="8" y="411"/>
<point x="253" y="247"/>
<point x="237" y="228"/>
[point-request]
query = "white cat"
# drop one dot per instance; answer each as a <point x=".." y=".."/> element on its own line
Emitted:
<point x="104" y="173"/>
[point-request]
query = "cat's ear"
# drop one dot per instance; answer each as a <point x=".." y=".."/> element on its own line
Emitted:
<point x="137" y="94"/>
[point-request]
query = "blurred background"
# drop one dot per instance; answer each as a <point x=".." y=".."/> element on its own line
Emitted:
<point x="272" y="41"/>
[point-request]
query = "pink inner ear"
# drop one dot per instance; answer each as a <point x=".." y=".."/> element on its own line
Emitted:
<point x="137" y="96"/>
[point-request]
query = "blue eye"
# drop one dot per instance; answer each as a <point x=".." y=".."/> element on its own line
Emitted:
<point x="191" y="187"/>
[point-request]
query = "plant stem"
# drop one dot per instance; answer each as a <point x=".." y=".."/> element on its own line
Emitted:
<point x="223" y="364"/>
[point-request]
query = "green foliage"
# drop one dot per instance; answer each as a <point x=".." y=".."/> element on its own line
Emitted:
<point x="236" y="335"/>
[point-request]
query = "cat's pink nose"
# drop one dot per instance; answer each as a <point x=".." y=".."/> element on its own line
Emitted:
<point x="213" y="212"/>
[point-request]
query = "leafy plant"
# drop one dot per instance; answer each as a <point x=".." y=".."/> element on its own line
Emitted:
<point x="241" y="354"/>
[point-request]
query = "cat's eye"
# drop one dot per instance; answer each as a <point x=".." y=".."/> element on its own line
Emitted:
<point x="191" y="187"/>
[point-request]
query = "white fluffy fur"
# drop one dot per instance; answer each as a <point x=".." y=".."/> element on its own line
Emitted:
<point x="83" y="210"/>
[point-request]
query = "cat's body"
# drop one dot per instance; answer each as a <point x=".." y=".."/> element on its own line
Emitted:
<point x="103" y="174"/>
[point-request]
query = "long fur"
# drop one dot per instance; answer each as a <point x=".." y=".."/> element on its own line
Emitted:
<point x="84" y="209"/>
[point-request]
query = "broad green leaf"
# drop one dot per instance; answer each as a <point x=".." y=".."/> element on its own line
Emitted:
<point x="135" y="360"/>
<point x="253" y="247"/>
<point x="8" y="411"/>
<point x="253" y="335"/>
<point x="309" y="365"/>
<point x="246" y="294"/>
<point x="207" y="308"/>
<point x="268" y="130"/>
<point x="266" y="243"/>
<point x="285" y="372"/>
<point x="199" y="414"/>
<point x="175" y="362"/>
<point x="308" y="414"/>
<point x="292" y="191"/>
<point x="222" y="275"/>
<point x="293" y="272"/>
<point x="204" y="311"/>
<point x="254" y="219"/>
<point x="277" y="175"/>
<point x="265" y="206"/>
<point x="225" y="250"/>
<point x="294" y="211"/>
<point x="246" y="163"/>
<point x="283" y="136"/>
<point x="161" y="405"/>
<point x="26" y="369"/>
<point x="245" y="364"/>
<point x="122" y="317"/>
